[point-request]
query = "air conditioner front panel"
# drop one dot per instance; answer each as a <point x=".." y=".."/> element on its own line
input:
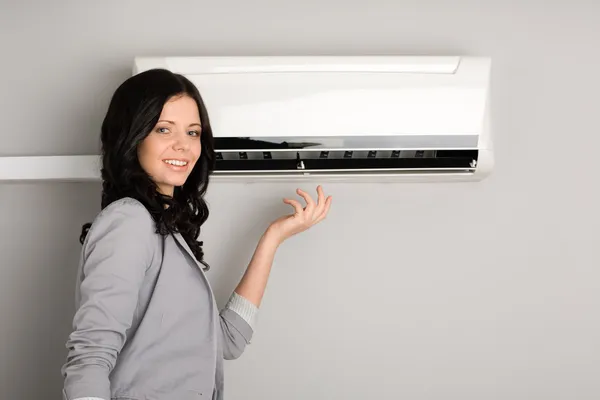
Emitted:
<point x="337" y="96"/>
<point x="337" y="117"/>
<point x="350" y="104"/>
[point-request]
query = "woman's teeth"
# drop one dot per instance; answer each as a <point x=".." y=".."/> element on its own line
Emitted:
<point x="176" y="162"/>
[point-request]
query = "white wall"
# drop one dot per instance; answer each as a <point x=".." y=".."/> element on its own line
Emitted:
<point x="446" y="291"/>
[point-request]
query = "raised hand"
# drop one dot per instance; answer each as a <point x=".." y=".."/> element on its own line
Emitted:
<point x="303" y="217"/>
<point x="253" y="283"/>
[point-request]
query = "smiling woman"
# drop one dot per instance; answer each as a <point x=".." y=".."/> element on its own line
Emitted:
<point x="146" y="324"/>
<point x="170" y="152"/>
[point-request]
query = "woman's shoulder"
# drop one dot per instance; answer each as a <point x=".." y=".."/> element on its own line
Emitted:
<point x="123" y="232"/>
<point x="127" y="205"/>
<point x="127" y="209"/>
<point x="125" y="215"/>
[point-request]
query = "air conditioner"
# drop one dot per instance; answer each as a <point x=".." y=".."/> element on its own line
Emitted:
<point x="323" y="118"/>
<point x="344" y="118"/>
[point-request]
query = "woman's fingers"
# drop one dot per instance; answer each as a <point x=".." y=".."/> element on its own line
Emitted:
<point x="323" y="214"/>
<point x="297" y="206"/>
<point x="304" y="217"/>
<point x="313" y="212"/>
<point x="320" y="202"/>
<point x="310" y="203"/>
<point x="312" y="208"/>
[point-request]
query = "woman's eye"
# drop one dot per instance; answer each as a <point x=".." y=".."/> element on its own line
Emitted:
<point x="194" y="133"/>
<point x="162" y="130"/>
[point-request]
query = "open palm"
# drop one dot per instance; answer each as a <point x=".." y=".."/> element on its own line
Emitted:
<point x="303" y="217"/>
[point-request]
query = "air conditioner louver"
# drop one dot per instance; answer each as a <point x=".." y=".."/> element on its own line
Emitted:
<point x="319" y="157"/>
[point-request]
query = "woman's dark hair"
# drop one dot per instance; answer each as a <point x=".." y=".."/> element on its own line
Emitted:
<point x="132" y="114"/>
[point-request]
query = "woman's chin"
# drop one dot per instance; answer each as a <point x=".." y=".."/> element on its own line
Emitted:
<point x="175" y="181"/>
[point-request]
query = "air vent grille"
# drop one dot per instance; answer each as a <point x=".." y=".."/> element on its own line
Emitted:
<point x="316" y="161"/>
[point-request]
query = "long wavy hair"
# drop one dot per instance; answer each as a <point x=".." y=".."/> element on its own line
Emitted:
<point x="133" y="112"/>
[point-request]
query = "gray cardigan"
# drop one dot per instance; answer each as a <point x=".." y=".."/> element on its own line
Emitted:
<point x="147" y="326"/>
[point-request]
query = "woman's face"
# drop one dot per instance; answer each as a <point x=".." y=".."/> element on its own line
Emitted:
<point x="168" y="154"/>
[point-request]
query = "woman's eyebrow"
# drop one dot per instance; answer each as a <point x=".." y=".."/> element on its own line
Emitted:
<point x="173" y="123"/>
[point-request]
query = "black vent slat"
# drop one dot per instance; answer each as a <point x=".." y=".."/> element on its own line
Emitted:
<point x="377" y="163"/>
<point x="465" y="161"/>
<point x="248" y="165"/>
<point x="456" y="153"/>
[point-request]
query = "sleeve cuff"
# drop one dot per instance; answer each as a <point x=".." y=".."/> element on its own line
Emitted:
<point x="244" y="308"/>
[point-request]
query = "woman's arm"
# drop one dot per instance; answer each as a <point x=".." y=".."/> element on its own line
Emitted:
<point x="116" y="255"/>
<point x="237" y="318"/>
<point x="253" y="283"/>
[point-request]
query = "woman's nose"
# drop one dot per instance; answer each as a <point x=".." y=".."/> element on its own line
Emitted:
<point x="180" y="143"/>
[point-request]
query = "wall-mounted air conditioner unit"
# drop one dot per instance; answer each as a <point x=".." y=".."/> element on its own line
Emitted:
<point x="373" y="118"/>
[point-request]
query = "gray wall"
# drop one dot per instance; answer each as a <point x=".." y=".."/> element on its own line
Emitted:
<point x="435" y="291"/>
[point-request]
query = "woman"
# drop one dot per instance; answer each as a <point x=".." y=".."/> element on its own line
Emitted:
<point x="146" y="325"/>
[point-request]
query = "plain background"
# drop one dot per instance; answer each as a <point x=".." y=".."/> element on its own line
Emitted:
<point x="407" y="291"/>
